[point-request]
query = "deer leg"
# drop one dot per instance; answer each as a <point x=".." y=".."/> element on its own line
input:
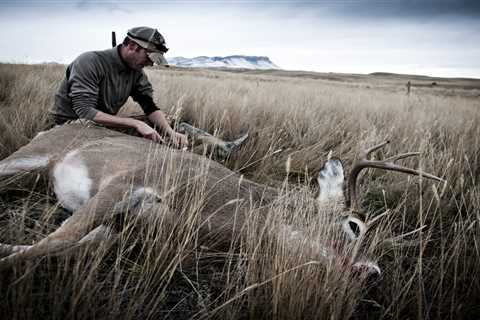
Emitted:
<point x="199" y="134"/>
<point x="64" y="238"/>
<point x="98" y="235"/>
<point x="86" y="225"/>
<point x="13" y="165"/>
<point x="222" y="148"/>
<point x="17" y="252"/>
<point x="8" y="249"/>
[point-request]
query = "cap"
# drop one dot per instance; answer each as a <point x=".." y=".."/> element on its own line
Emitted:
<point x="150" y="39"/>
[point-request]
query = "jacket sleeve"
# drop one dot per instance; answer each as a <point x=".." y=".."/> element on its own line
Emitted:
<point x="83" y="81"/>
<point x="143" y="94"/>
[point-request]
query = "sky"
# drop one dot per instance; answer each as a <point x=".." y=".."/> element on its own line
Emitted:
<point x="428" y="37"/>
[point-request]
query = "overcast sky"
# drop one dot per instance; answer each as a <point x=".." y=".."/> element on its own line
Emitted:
<point x="431" y="37"/>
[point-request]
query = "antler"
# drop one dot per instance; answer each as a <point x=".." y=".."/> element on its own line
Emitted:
<point x="387" y="164"/>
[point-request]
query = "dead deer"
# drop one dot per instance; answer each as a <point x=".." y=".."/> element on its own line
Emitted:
<point x="97" y="173"/>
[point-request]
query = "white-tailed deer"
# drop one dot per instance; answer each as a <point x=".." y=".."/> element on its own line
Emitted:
<point x="97" y="173"/>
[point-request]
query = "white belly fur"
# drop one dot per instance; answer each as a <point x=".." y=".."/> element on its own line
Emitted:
<point x="72" y="184"/>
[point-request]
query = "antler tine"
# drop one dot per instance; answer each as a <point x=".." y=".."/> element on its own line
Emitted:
<point x="387" y="164"/>
<point x="402" y="156"/>
<point x="366" y="154"/>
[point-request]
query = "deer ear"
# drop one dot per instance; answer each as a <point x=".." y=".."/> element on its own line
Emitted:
<point x="330" y="180"/>
<point x="354" y="227"/>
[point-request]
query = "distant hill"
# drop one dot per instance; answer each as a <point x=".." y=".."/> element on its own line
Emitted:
<point x="233" y="62"/>
<point x="415" y="76"/>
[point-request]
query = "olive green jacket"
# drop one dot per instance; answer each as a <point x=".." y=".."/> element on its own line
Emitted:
<point x="101" y="81"/>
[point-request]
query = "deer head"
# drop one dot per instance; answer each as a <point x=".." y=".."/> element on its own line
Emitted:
<point x="351" y="219"/>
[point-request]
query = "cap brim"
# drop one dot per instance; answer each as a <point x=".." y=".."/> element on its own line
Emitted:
<point x="157" y="58"/>
<point x="144" y="44"/>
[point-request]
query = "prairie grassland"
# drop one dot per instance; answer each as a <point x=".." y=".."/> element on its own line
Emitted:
<point x="430" y="273"/>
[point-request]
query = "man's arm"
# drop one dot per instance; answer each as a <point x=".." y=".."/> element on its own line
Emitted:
<point x="144" y="129"/>
<point x="142" y="94"/>
<point x="84" y="76"/>
<point x="158" y="118"/>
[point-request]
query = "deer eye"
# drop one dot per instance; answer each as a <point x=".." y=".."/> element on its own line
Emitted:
<point x="354" y="228"/>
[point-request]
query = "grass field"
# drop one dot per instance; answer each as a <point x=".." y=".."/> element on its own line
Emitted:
<point x="432" y="273"/>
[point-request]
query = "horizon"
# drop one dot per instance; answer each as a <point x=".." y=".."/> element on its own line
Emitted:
<point x="425" y="37"/>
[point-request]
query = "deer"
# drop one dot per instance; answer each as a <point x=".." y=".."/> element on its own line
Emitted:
<point x="97" y="173"/>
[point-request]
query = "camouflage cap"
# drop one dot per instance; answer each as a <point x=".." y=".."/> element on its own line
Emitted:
<point x="150" y="39"/>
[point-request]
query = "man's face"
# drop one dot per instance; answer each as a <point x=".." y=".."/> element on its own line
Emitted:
<point x="137" y="57"/>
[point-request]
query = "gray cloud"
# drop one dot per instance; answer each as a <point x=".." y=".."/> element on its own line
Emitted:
<point x="367" y="8"/>
<point x="408" y="8"/>
<point x="77" y="4"/>
<point x="109" y="5"/>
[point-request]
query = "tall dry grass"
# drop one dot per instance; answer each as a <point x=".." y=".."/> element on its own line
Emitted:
<point x="430" y="273"/>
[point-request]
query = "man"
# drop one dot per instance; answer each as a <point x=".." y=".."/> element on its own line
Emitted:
<point x="98" y="83"/>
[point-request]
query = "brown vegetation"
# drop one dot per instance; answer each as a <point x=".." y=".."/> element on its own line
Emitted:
<point x="430" y="273"/>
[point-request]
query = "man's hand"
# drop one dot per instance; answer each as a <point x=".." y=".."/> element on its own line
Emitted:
<point x="178" y="140"/>
<point x="158" y="118"/>
<point x="148" y="132"/>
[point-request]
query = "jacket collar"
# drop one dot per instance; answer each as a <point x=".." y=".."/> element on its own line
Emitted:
<point x="117" y="58"/>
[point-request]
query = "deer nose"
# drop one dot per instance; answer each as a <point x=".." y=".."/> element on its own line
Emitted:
<point x="369" y="269"/>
